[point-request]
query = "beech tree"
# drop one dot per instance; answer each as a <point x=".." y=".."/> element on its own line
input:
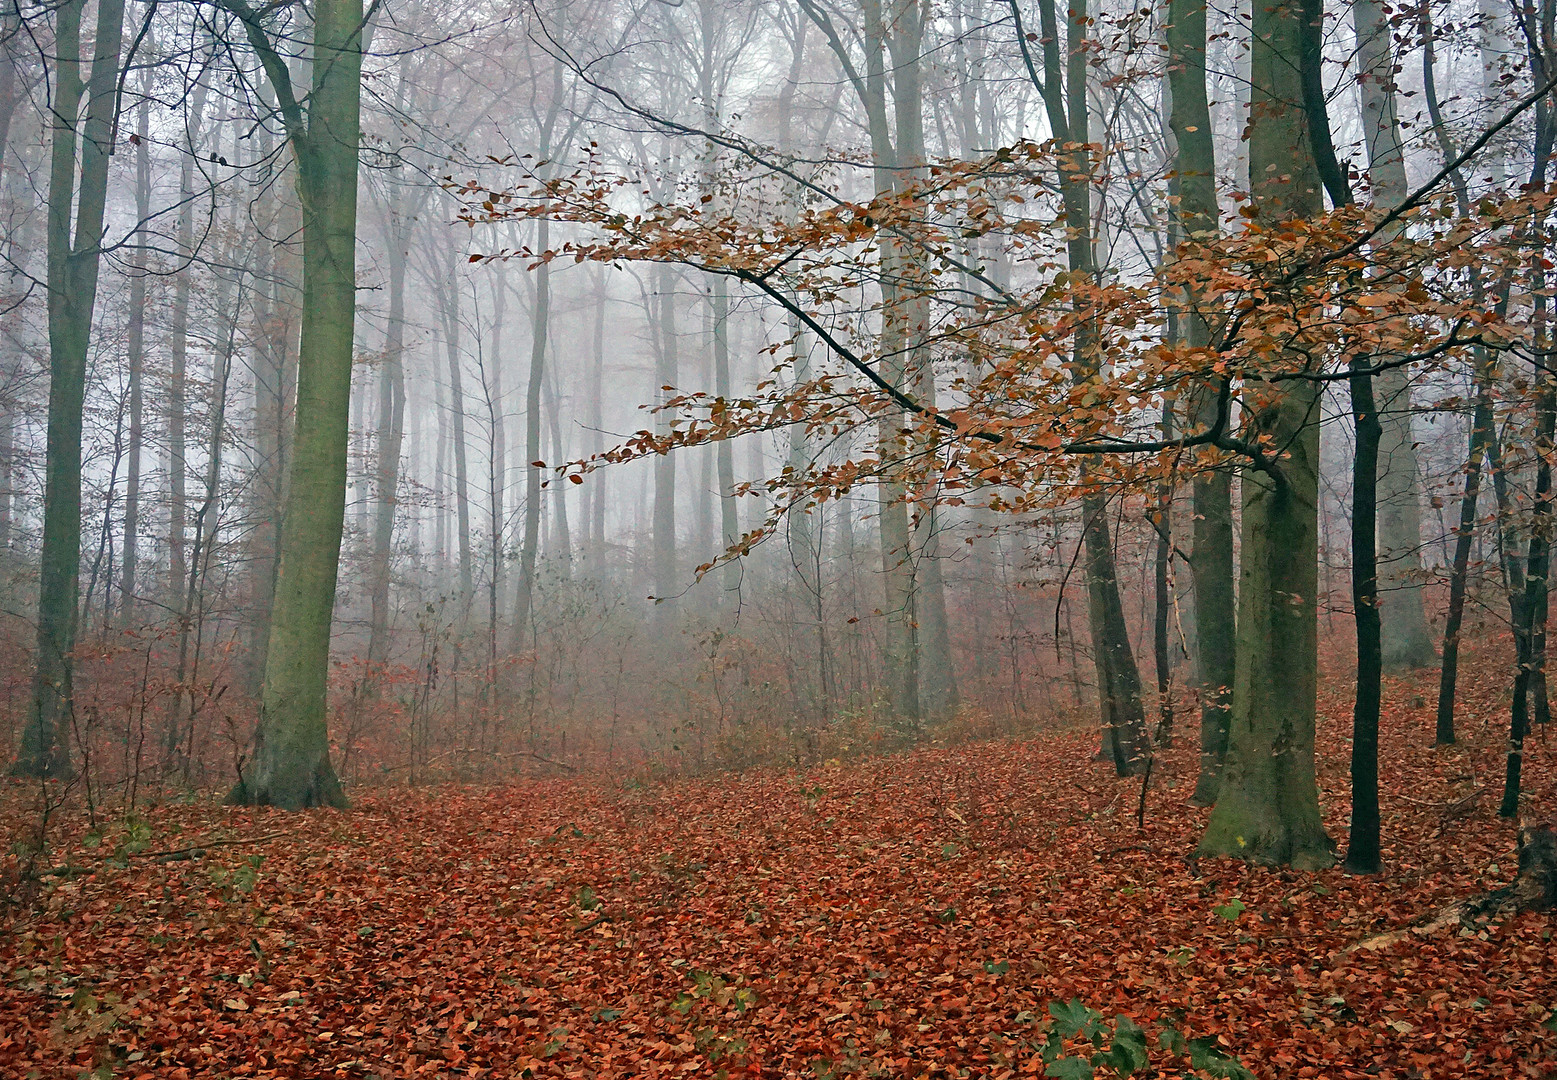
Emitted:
<point x="1267" y="806"/>
<point x="290" y="762"/>
<point x="77" y="197"/>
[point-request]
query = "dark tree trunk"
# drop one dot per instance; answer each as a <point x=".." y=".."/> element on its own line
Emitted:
<point x="1530" y="612"/>
<point x="1161" y="651"/>
<point x="1362" y="853"/>
<point x="1459" y="570"/>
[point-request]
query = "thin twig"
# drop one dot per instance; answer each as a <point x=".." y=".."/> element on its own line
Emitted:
<point x="198" y="847"/>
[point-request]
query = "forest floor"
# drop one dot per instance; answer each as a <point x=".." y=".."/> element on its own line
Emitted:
<point x="906" y="915"/>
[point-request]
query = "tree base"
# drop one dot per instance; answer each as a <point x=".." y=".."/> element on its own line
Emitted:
<point x="1265" y="840"/>
<point x="1362" y="866"/>
<point x="291" y="788"/>
<point x="52" y="766"/>
<point x="1534" y="888"/>
<point x="1405" y="661"/>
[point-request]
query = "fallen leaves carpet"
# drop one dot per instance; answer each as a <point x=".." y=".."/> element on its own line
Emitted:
<point x="908" y="915"/>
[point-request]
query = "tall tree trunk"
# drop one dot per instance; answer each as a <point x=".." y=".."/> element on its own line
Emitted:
<point x="937" y="678"/>
<point x="561" y="542"/>
<point x="1125" y="739"/>
<point x="19" y="247"/>
<point x="1407" y="642"/>
<point x="1531" y="612"/>
<point x="540" y="327"/>
<point x="805" y="555"/>
<point x="666" y="374"/>
<point x="724" y="451"/>
<point x="1483" y="430"/>
<point x="597" y="421"/>
<point x="291" y="757"/>
<point x="497" y="456"/>
<point x="274" y="383"/>
<point x="135" y="349"/>
<point x="1211" y="559"/>
<point x="178" y="374"/>
<point x="1459" y="571"/>
<point x="1362" y="851"/>
<point x="391" y="431"/>
<point x="73" y="262"/>
<point x="191" y="612"/>
<point x="1162" y="654"/>
<point x="1267" y="808"/>
<point x="461" y="462"/>
<point x="900" y="633"/>
<point x="1530" y="609"/>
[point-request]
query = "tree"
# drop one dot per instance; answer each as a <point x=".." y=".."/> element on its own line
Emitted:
<point x="290" y="766"/>
<point x="136" y="349"/>
<point x="73" y="261"/>
<point x="1125" y="739"/>
<point x="1267" y="807"/>
<point x="1406" y="641"/>
<point x="919" y="676"/>
<point x="1211" y="558"/>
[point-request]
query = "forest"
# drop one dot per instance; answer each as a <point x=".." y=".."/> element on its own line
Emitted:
<point x="794" y="538"/>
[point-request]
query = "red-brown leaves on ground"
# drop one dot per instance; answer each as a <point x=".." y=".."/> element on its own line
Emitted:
<point x="902" y="916"/>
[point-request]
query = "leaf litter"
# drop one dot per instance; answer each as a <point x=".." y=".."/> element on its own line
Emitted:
<point x="965" y="911"/>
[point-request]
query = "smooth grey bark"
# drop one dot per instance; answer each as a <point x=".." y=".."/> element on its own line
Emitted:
<point x="915" y="652"/>
<point x="440" y="466"/>
<point x="1406" y="639"/>
<point x="724" y="451"/>
<point x="450" y="297"/>
<point x="806" y="540"/>
<point x="178" y="375"/>
<point x="497" y="462"/>
<point x="529" y="545"/>
<point x="666" y="374"/>
<point x="597" y="542"/>
<point x="73" y="262"/>
<point x="275" y="376"/>
<point x="391" y="427"/>
<point x="135" y="350"/>
<point x="938" y="693"/>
